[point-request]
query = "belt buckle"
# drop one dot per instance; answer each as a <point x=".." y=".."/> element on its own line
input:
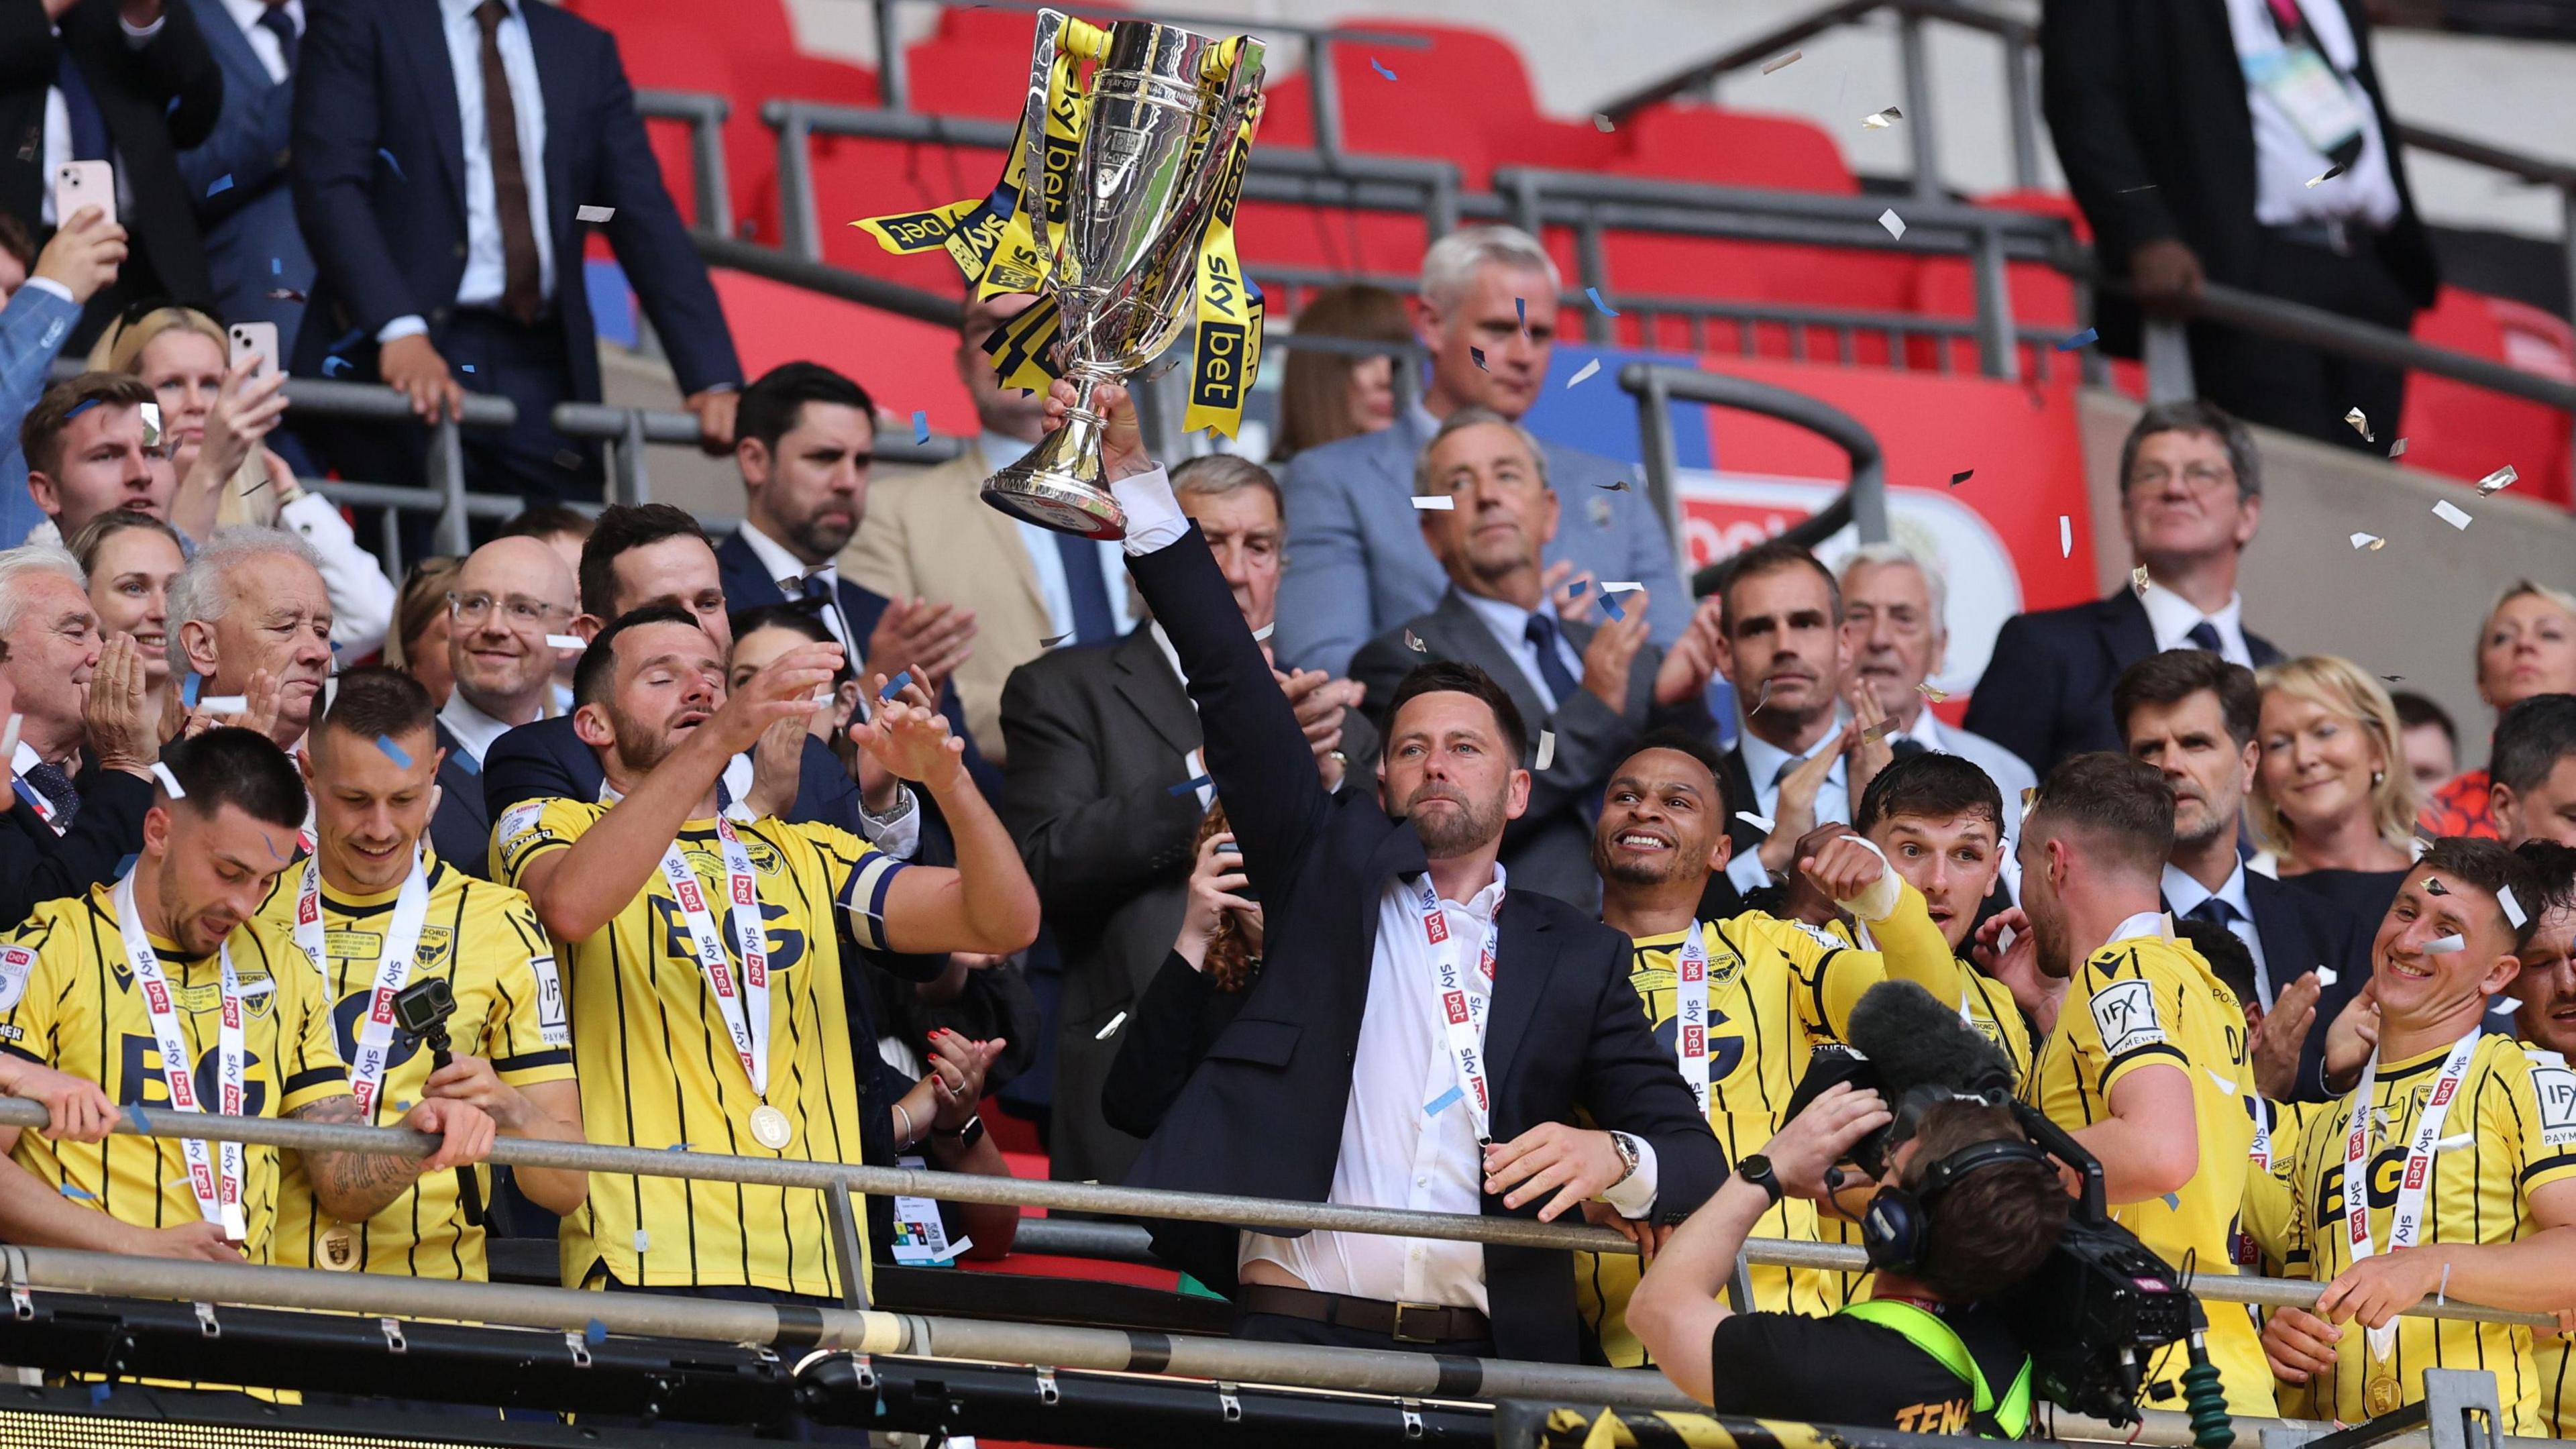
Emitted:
<point x="1400" y="1335"/>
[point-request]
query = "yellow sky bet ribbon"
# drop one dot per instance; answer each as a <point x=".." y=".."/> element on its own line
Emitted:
<point x="1229" y="344"/>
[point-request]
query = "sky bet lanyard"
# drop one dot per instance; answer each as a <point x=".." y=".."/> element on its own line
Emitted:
<point x="1690" y="1014"/>
<point x="1461" y="1011"/>
<point x="393" y="972"/>
<point x="2406" y="1220"/>
<point x="217" y="1186"/>
<point x="745" y="1012"/>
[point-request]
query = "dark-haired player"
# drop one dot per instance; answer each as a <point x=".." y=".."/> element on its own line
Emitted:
<point x="169" y="990"/>
<point x="377" y="911"/>
<point x="2547" y="1024"/>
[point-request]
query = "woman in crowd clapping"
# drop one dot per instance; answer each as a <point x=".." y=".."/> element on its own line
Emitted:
<point x="2333" y="805"/>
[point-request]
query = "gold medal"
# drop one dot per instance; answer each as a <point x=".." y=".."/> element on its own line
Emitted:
<point x="769" y="1127"/>
<point x="337" y="1250"/>
<point x="2382" y="1395"/>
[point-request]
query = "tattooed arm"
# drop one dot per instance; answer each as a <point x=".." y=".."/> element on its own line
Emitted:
<point x="355" y="1186"/>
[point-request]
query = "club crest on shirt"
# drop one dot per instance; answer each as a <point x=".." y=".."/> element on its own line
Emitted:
<point x="1724" y="969"/>
<point x="258" y="992"/>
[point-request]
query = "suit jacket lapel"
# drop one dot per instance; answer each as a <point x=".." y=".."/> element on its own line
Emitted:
<point x="1523" y="960"/>
<point x="2125" y="630"/>
<point x="422" y="30"/>
<point x="1463" y="635"/>
<point x="546" y="42"/>
<point x="240" y="62"/>
<point x="2286" y="948"/>
<point x="1146" y="681"/>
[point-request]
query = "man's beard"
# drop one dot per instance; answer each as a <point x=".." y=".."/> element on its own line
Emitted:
<point x="641" y="746"/>
<point x="1649" y="870"/>
<point x="2209" y="828"/>
<point x="1453" y="832"/>
<point x="2048" y="936"/>
<point x="821" y="539"/>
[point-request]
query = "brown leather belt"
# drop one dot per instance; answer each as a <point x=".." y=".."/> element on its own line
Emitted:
<point x="1402" y="1322"/>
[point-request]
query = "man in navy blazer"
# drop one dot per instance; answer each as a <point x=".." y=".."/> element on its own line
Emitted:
<point x="237" y="177"/>
<point x="443" y="214"/>
<point x="2191" y="497"/>
<point x="1357" y="566"/>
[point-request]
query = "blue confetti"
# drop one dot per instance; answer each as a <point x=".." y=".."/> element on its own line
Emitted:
<point x="222" y="184"/>
<point x="1521" y="306"/>
<point x="277" y="266"/>
<point x="126" y="864"/>
<point x="394" y="752"/>
<point x="334" y="366"/>
<point x="1186" y="786"/>
<point x="594" y="1333"/>
<point x="465" y="367"/>
<point x="390" y="161"/>
<point x="77" y="1194"/>
<point x="1610" y="606"/>
<point x="1380" y="67"/>
<point x="98" y="1392"/>
<point x="79" y="409"/>
<point x="402" y="1106"/>
<point x="920" y="426"/>
<point x="1595" y="294"/>
<point x="679" y="1147"/>
<point x="2085" y="338"/>
<point x="189" y="691"/>
<point x="2174" y="1200"/>
<point x="1575" y="590"/>
<point x="1441" y="1103"/>
<point x="135" y="1118"/>
<point x="895" y="685"/>
<point x="466" y="762"/>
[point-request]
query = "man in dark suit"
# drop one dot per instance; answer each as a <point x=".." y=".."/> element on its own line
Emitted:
<point x="237" y="178"/>
<point x="2245" y="142"/>
<point x="2191" y="497"/>
<point x="2192" y="715"/>
<point x="444" y="153"/>
<point x="508" y="599"/>
<point x="1103" y="744"/>
<point x="81" y="777"/>
<point x="1381" y="929"/>
<point x="129" y="82"/>
<point x="1592" y="691"/>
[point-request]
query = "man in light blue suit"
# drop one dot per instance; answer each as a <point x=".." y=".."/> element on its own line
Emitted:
<point x="238" y="178"/>
<point x="1357" y="566"/>
<point x="43" y="305"/>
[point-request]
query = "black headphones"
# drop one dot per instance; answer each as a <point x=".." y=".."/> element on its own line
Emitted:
<point x="1896" y="1230"/>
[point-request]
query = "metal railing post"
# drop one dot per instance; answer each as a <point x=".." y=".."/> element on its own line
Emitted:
<point x="1918" y="103"/>
<point x="1661" y="459"/>
<point x="1998" y="355"/>
<point x="799" y="232"/>
<point x="894" y="86"/>
<point x="633" y="486"/>
<point x="2164" y="346"/>
<point x="2567" y="247"/>
<point x="2021" y="89"/>
<point x="1323" y="94"/>
<point x="1440" y="207"/>
<point x="446" y="462"/>
<point x="849" y="1256"/>
<point x="707" y="158"/>
<point x="1592" y="255"/>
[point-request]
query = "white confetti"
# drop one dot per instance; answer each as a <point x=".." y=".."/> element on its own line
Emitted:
<point x="2370" y="541"/>
<point x="2497" y="481"/>
<point x="2447" y="946"/>
<point x="1546" y="748"/>
<point x="643" y="1241"/>
<point x="224" y="703"/>
<point x="1589" y="369"/>
<point x="2504" y="1006"/>
<point x="2139" y="581"/>
<point x="1881" y="120"/>
<point x="2450" y="1144"/>
<point x="169" y="782"/>
<point x="593" y="213"/>
<point x="1756" y="821"/>
<point x="2397" y="449"/>
<point x="1264" y="631"/>
<point x="2445" y="511"/>
<point x="2224" y="1085"/>
<point x="1621" y="586"/>
<point x="2360" y="424"/>
<point x="1431" y="503"/>
<point x="566" y="641"/>
<point x="2065" y="536"/>
<point x="1106" y="1032"/>
<point x="1790" y="59"/>
<point x="1895" y="224"/>
<point x="2512" y="908"/>
<point x="2325" y="976"/>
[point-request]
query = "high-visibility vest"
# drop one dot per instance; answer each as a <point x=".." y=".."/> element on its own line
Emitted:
<point x="1926" y="1330"/>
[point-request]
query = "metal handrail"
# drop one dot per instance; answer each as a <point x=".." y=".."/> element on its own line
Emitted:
<point x="705" y="113"/>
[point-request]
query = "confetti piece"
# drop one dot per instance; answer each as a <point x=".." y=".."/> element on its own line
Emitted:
<point x="2360" y="424"/>
<point x="2444" y="510"/>
<point x="390" y="161"/>
<point x="1602" y="123"/>
<point x="1877" y="732"/>
<point x="1932" y="694"/>
<point x="225" y="703"/>
<point x="2173" y="1200"/>
<point x="222" y="184"/>
<point x="2065" y="536"/>
<point x="77" y="1194"/>
<point x="2370" y="541"/>
<point x="1380" y="67"/>
<point x="1787" y="60"/>
<point x="2224" y="1085"/>
<point x="1106" y="1032"/>
<point x="2325" y="976"/>
<point x="134" y="1118"/>
<point x="277" y="266"/>
<point x="79" y="408"/>
<point x="394" y="752"/>
<point x="2497" y="481"/>
<point x="1587" y="370"/>
<point x="1442" y="1103"/>
<point x="1610" y="606"/>
<point x="2504" y="1005"/>
<point x="1264" y="631"/>
<point x="1051" y="643"/>
<point x="2447" y="946"/>
<point x="1477" y="356"/>
<point x="1895" y="224"/>
<point x="1604" y="308"/>
<point x="2450" y="1144"/>
<point x="99" y="1394"/>
<point x="1434" y="503"/>
<point x="1622" y="586"/>
<point x="1881" y="120"/>
<point x="1757" y="704"/>
<point x="594" y="1333"/>
<point x="2138" y="580"/>
<point x="9" y="738"/>
<point x="643" y="1241"/>
<point x="1756" y="821"/>
<point x="895" y="685"/>
<point x="1575" y="589"/>
<point x="285" y="294"/>
<point x="1619" y="487"/>
<point x="2330" y="174"/>
<point x="151" y="424"/>
<point x="1547" y="752"/>
<point x="2433" y="886"/>
<point x="679" y="1147"/>
<point x="1186" y="786"/>
<point x="169" y="782"/>
<point x="2397" y="449"/>
<point x="2085" y="338"/>
<point x="1413" y="642"/>
<point x="1962" y="476"/>
<point x="593" y="213"/>
<point x="2513" y="911"/>
<point x="566" y="641"/>
<point x="334" y="365"/>
<point x="1521" y="306"/>
<point x="465" y="367"/>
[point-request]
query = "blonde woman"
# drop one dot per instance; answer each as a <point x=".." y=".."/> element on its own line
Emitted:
<point x="2333" y="802"/>
<point x="130" y="559"/>
<point x="2526" y="646"/>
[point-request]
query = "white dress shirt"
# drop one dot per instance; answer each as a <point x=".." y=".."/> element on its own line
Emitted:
<point x="1510" y="623"/>
<point x="1763" y="760"/>
<point x="263" y="43"/>
<point x="790" y="572"/>
<point x="1045" y="556"/>
<point x="486" y="273"/>
<point x="474" y="730"/>
<point x="2185" y="894"/>
<point x="58" y="134"/>
<point x="2286" y="191"/>
<point x="2173" y="617"/>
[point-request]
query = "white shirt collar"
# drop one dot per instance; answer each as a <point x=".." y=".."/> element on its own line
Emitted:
<point x="781" y="565"/>
<point x="474" y="730"/>
<point x="1509" y="621"/>
<point x="1926" y="731"/>
<point x="26" y="759"/>
<point x="2185" y="894"/>
<point x="457" y="10"/>
<point x="1763" y="759"/>
<point x="1482" y="905"/>
<point x="2143" y="925"/>
<point x="2172" y="617"/>
<point x="246" y="13"/>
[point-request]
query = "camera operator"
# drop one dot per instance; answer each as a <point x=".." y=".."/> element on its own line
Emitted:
<point x="1927" y="1352"/>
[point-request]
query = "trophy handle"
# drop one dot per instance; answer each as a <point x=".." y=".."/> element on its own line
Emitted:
<point x="1056" y="32"/>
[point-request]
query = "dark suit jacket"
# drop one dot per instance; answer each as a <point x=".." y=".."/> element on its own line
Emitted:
<point x="2301" y="932"/>
<point x="2046" y="692"/>
<point x="253" y="247"/>
<point x="37" y="865"/>
<point x="1549" y="848"/>
<point x="380" y="188"/>
<point x="155" y="99"/>
<point x="461" y="831"/>
<point x="1262" y="1115"/>
<point x="2147" y="105"/>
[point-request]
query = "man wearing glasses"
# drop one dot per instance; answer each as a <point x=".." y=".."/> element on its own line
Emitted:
<point x="2191" y="496"/>
<point x="510" y="595"/>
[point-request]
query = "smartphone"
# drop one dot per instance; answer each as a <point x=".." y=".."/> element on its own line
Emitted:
<point x="83" y="183"/>
<point x="255" y="339"/>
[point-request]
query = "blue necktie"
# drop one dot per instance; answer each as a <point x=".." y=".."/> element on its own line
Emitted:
<point x="1542" y="637"/>
<point x="277" y="22"/>
<point x="819" y="589"/>
<point x="57" y="787"/>
<point x="2204" y="635"/>
<point x="89" y="127"/>
<point x="1092" y="621"/>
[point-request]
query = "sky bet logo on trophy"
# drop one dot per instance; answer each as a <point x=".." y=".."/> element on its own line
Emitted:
<point x="1140" y="171"/>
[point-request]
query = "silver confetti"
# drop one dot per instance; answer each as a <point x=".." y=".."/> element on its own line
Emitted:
<point x="2370" y="541"/>
<point x="1881" y="120"/>
<point x="1787" y="60"/>
<point x="2360" y="424"/>
<point x="1434" y="503"/>
<point x="1587" y="370"/>
<point x="2497" y="481"/>
<point x="1546" y="748"/>
<point x="1895" y="224"/>
<point x="2446" y="511"/>
<point x="2447" y="946"/>
<point x="593" y="213"/>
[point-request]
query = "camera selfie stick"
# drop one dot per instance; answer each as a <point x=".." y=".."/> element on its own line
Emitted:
<point x="423" y="1009"/>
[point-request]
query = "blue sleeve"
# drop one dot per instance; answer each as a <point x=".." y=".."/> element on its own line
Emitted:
<point x="33" y="328"/>
<point x="520" y="767"/>
<point x="1323" y="609"/>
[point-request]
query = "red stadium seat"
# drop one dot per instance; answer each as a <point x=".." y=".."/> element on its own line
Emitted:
<point x="2468" y="432"/>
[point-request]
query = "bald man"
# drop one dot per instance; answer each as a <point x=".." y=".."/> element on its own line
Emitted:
<point x="511" y="594"/>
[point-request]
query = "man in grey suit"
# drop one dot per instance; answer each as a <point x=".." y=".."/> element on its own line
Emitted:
<point x="1590" y="692"/>
<point x="1894" y="610"/>
<point x="237" y="179"/>
<point x="1105" y="789"/>
<point x="1488" y="316"/>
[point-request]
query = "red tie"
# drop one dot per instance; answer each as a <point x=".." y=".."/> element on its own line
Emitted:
<point x="2287" y="13"/>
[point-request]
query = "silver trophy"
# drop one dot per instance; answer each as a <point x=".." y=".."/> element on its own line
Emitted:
<point x="1165" y="107"/>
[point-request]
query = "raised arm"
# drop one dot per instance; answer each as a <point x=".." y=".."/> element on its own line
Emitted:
<point x="985" y="903"/>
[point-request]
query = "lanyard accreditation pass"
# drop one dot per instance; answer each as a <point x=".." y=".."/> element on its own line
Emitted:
<point x="2309" y="92"/>
<point x="215" y="1179"/>
<point x="1462" y="1012"/>
<point x="1690" y="1014"/>
<point x="745" y="1011"/>
<point x="2406" y="1219"/>
<point x="393" y="973"/>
